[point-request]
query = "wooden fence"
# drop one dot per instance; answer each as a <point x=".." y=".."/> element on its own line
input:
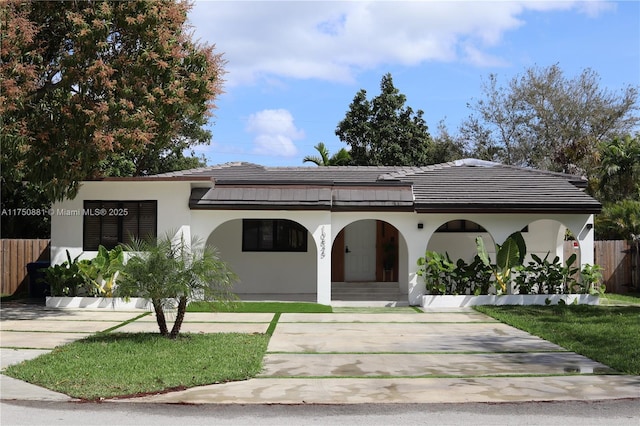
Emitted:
<point x="616" y="260"/>
<point x="16" y="254"/>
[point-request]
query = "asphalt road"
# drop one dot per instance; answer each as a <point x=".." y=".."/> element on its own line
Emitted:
<point x="613" y="412"/>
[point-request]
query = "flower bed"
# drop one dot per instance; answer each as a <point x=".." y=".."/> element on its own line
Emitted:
<point x="507" y="281"/>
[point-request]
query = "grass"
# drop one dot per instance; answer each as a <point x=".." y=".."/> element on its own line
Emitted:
<point x="607" y="334"/>
<point x="259" y="307"/>
<point x="377" y="310"/>
<point x="631" y="298"/>
<point x="119" y="364"/>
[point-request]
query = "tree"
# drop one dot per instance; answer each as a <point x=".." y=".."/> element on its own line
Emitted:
<point x="340" y="158"/>
<point x="446" y="147"/>
<point x="383" y="131"/>
<point x="620" y="169"/>
<point x="84" y="83"/>
<point x="548" y="121"/>
<point x="171" y="271"/>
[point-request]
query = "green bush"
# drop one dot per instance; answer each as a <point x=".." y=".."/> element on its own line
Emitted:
<point x="442" y="276"/>
<point x="64" y="279"/>
<point x="88" y="277"/>
<point x="540" y="276"/>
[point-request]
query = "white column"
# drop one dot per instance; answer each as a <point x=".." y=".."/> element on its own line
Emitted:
<point x="417" y="240"/>
<point x="585" y="238"/>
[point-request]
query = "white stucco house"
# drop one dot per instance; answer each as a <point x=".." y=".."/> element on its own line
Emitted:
<point x="309" y="233"/>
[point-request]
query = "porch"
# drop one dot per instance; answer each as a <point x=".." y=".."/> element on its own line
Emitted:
<point x="371" y="294"/>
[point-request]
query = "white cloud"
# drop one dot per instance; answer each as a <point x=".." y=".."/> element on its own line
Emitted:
<point x="334" y="40"/>
<point x="275" y="132"/>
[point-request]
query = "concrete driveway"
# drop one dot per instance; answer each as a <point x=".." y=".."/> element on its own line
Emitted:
<point x="403" y="357"/>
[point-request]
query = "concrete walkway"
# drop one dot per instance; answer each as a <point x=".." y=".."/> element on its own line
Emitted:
<point x="406" y="357"/>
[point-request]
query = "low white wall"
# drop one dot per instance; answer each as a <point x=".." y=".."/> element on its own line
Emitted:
<point x="113" y="303"/>
<point x="429" y="301"/>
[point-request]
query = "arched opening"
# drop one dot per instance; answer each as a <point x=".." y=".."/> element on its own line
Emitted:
<point x="552" y="261"/>
<point x="548" y="236"/>
<point x="457" y="238"/>
<point x="275" y="259"/>
<point x="366" y="259"/>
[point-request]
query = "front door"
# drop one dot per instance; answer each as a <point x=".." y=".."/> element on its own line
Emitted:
<point x="360" y="251"/>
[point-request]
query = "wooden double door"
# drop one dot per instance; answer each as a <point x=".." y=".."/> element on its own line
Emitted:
<point x="365" y="251"/>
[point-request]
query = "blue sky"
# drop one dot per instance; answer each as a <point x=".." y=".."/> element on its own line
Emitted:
<point x="294" y="67"/>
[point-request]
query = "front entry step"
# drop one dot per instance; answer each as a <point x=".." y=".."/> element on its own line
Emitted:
<point x="365" y="291"/>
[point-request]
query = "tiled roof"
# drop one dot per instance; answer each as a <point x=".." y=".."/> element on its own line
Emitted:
<point x="253" y="172"/>
<point x="463" y="185"/>
<point x="496" y="188"/>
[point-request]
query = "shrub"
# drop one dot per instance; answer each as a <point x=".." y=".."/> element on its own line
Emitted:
<point x="540" y="276"/>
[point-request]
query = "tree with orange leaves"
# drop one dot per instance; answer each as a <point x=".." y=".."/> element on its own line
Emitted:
<point x="86" y="86"/>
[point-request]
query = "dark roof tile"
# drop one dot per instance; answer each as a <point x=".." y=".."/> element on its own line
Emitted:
<point x="456" y="186"/>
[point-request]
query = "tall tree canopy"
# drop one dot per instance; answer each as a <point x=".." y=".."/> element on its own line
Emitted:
<point x="548" y="121"/>
<point x="89" y="86"/>
<point x="619" y="169"/>
<point x="383" y="131"/>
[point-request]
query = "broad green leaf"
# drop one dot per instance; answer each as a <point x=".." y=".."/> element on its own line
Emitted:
<point x="508" y="255"/>
<point x="482" y="251"/>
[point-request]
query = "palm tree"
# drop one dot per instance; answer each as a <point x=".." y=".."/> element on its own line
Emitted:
<point x="620" y="168"/>
<point x="171" y="272"/>
<point x="341" y="158"/>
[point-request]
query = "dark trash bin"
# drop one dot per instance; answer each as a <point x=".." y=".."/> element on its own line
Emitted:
<point x="38" y="289"/>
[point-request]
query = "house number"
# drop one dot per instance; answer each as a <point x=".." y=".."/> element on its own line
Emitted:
<point x="323" y="243"/>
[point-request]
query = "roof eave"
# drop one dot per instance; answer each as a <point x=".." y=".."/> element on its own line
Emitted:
<point x="260" y="206"/>
<point x="521" y="208"/>
<point x="154" y="179"/>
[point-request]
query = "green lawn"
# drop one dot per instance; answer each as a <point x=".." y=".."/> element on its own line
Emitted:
<point x="253" y="307"/>
<point x="607" y="334"/>
<point x="119" y="364"/>
<point x="109" y="365"/>
<point x="630" y="298"/>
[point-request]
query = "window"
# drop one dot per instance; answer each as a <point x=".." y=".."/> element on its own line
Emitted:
<point x="110" y="223"/>
<point x="273" y="235"/>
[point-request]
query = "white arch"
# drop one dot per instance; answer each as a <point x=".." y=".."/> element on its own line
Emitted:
<point x="460" y="244"/>
<point x="267" y="274"/>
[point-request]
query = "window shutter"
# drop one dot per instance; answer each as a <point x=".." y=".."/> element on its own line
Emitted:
<point x="147" y="219"/>
<point x="130" y="221"/>
<point x="110" y="228"/>
<point x="91" y="232"/>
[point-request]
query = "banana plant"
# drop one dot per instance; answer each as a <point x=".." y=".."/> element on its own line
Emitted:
<point x="436" y="270"/>
<point x="508" y="256"/>
<point x="103" y="270"/>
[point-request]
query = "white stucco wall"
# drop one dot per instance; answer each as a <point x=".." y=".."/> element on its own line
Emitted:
<point x="311" y="272"/>
<point x="66" y="229"/>
<point x="265" y="272"/>
<point x="291" y="272"/>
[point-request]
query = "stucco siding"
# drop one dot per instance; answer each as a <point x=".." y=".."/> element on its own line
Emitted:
<point x="310" y="272"/>
<point x="265" y="272"/>
<point x="67" y="224"/>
